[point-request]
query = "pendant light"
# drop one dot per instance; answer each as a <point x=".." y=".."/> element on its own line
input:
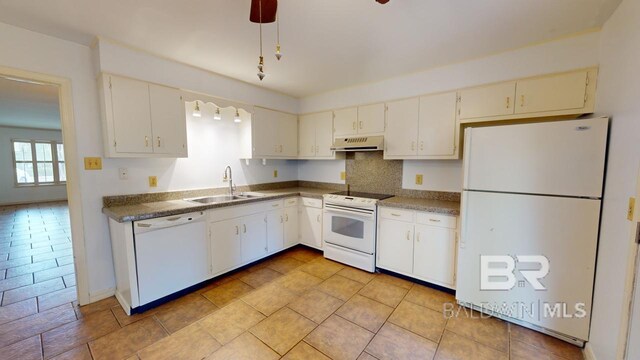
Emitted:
<point x="261" y="73"/>
<point x="196" y="111"/>
<point x="217" y="115"/>
<point x="237" y="118"/>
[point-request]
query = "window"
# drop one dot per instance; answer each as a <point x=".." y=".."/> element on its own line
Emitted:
<point x="39" y="162"/>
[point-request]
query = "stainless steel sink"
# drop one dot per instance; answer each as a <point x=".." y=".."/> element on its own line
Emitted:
<point x="224" y="198"/>
<point x="215" y="199"/>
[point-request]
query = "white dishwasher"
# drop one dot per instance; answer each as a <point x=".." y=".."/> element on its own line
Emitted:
<point x="172" y="253"/>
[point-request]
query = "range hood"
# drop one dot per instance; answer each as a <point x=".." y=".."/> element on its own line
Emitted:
<point x="358" y="143"/>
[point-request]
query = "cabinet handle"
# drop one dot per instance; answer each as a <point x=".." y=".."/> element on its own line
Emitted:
<point x="158" y="141"/>
<point x="434" y="220"/>
<point x="354" y="125"/>
<point x="318" y="218"/>
<point x="286" y="217"/>
<point x="521" y="100"/>
<point x="280" y="148"/>
<point x="244" y="227"/>
<point x="413" y="145"/>
<point x="146" y="141"/>
<point x="408" y="234"/>
<point x="421" y="145"/>
<point x="317" y="149"/>
<point x="508" y="101"/>
<point x="312" y="147"/>
<point x="394" y="214"/>
<point x="274" y="205"/>
<point x="237" y="230"/>
<point x="360" y="125"/>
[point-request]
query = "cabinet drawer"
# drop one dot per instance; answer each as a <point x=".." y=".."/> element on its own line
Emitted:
<point x="440" y="220"/>
<point x="316" y="203"/>
<point x="397" y="214"/>
<point x="290" y="202"/>
<point x="273" y="205"/>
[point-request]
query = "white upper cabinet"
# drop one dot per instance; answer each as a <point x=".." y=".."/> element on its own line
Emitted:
<point x="437" y="126"/>
<point x="485" y="101"/>
<point x="315" y="136"/>
<point x="401" y="136"/>
<point x="167" y="111"/>
<point x="371" y="119"/>
<point x="345" y="122"/>
<point x="273" y="134"/>
<point x="571" y="93"/>
<point x="142" y="119"/>
<point x="561" y="92"/>
<point x="363" y="120"/>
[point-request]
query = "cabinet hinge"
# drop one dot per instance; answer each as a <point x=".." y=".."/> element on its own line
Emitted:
<point x="109" y="83"/>
<point x="114" y="143"/>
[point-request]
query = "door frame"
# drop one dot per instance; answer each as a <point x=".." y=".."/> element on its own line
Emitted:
<point x="74" y="195"/>
<point x="631" y="281"/>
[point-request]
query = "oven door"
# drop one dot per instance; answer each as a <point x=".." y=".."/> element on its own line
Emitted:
<point x="353" y="228"/>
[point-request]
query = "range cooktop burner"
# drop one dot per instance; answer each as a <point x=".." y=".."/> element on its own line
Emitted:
<point x="363" y="195"/>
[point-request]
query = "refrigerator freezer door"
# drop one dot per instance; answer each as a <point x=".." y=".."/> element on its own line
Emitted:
<point x="553" y="158"/>
<point x="564" y="230"/>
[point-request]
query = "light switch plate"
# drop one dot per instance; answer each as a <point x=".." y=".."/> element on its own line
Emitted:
<point x="153" y="181"/>
<point x="343" y="175"/>
<point x="123" y="173"/>
<point x="93" y="163"/>
<point x="632" y="206"/>
<point x="275" y="173"/>
<point x="418" y="179"/>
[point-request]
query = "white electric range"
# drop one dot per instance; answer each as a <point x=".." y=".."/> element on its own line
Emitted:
<point x="349" y="228"/>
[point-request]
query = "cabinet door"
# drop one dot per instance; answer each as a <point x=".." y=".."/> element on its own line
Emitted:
<point x="131" y="115"/>
<point x="291" y="230"/>
<point x="225" y="245"/>
<point x="288" y="135"/>
<point x="275" y="231"/>
<point x="395" y="245"/>
<point x="437" y="126"/>
<point x="253" y="237"/>
<point x="168" y="121"/>
<point x="307" y="136"/>
<point x="486" y="101"/>
<point x="371" y="119"/>
<point x="434" y="254"/>
<point x="345" y="122"/>
<point x="264" y="128"/>
<point x="401" y="136"/>
<point x="561" y="92"/>
<point x="324" y="134"/>
<point x="311" y="227"/>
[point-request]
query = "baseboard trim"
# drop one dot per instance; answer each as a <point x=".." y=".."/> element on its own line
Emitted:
<point x="31" y="202"/>
<point x="588" y="352"/>
<point x="101" y="295"/>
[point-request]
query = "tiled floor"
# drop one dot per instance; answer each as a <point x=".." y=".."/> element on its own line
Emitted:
<point x="296" y="305"/>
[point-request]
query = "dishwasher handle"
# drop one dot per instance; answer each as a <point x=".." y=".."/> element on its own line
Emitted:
<point x="143" y="226"/>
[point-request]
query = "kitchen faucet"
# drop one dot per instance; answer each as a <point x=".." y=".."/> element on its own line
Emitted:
<point x="229" y="178"/>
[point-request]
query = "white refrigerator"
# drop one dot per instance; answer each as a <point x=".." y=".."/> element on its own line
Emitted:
<point x="532" y="194"/>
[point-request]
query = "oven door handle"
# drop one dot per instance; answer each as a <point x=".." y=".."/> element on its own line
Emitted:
<point x="352" y="212"/>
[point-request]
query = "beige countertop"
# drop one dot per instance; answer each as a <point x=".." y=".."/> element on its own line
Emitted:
<point x="156" y="209"/>
<point x="420" y="204"/>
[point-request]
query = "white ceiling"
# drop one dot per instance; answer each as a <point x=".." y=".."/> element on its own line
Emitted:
<point x="327" y="44"/>
<point x="29" y="105"/>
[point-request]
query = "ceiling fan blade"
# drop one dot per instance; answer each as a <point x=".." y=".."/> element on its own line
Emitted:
<point x="269" y="10"/>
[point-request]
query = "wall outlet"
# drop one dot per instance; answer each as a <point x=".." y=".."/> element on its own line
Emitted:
<point x="123" y="173"/>
<point x="632" y="206"/>
<point x="418" y="179"/>
<point x="153" y="181"/>
<point x="93" y="163"/>
<point x="275" y="173"/>
<point x="343" y="175"/>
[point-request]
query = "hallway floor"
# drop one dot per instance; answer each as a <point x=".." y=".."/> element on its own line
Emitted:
<point x="296" y="305"/>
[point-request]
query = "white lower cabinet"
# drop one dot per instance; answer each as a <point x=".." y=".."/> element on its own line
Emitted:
<point x="291" y="228"/>
<point x="275" y="230"/>
<point x="225" y="245"/>
<point x="253" y="238"/>
<point x="311" y="222"/>
<point x="418" y="244"/>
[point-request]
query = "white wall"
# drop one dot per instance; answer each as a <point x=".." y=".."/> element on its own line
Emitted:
<point x="44" y="54"/>
<point x="618" y="90"/>
<point x="321" y="170"/>
<point x="9" y="193"/>
<point x="561" y="55"/>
